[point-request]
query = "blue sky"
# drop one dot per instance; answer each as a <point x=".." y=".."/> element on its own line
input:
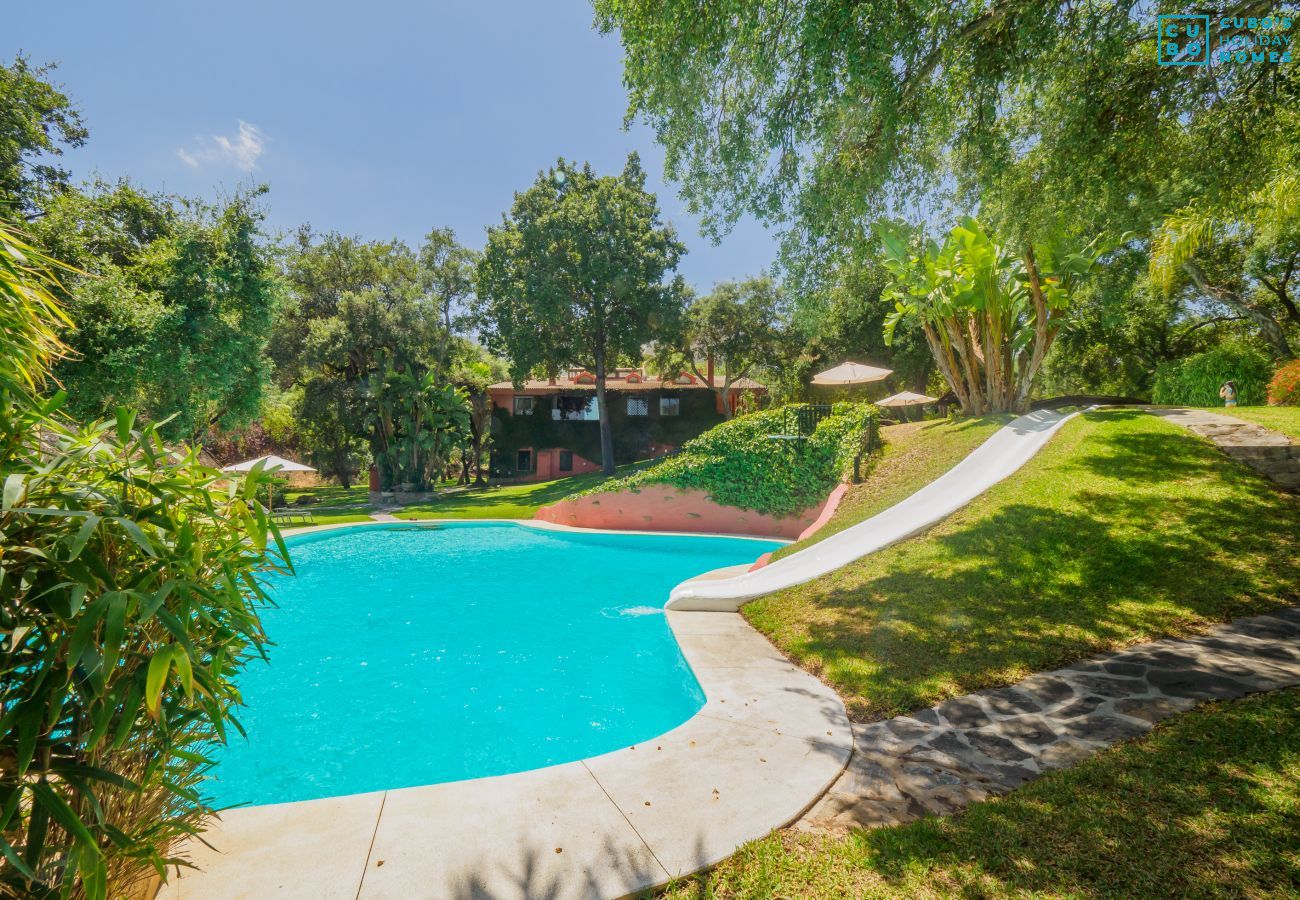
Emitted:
<point x="381" y="119"/>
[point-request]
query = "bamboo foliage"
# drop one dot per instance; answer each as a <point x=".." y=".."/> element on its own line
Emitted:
<point x="129" y="590"/>
<point x="989" y="312"/>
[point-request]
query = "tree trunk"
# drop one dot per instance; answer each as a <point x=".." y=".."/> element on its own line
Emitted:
<point x="947" y="365"/>
<point x="721" y="394"/>
<point x="606" y="431"/>
<point x="1043" y="334"/>
<point x="1268" y="326"/>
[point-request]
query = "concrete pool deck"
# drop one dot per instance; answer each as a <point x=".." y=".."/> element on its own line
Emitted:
<point x="767" y="744"/>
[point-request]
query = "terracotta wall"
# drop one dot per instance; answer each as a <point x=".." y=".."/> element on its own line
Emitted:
<point x="660" y="507"/>
<point x="546" y="466"/>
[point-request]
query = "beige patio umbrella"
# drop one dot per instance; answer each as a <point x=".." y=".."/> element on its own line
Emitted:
<point x="852" y="373"/>
<point x="907" y="398"/>
<point x="271" y="463"/>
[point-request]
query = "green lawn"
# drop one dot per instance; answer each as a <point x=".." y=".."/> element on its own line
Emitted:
<point x="1206" y="805"/>
<point x="331" y="495"/>
<point x="509" y="501"/>
<point x="1123" y="529"/>
<point x="1285" y="419"/>
<point x="336" y="516"/>
<point x="915" y="454"/>
<point x="333" y="505"/>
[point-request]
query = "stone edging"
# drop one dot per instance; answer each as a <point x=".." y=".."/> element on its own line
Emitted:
<point x="769" y="741"/>
<point x="988" y="743"/>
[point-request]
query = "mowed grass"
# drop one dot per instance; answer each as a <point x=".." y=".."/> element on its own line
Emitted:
<point x="335" y="517"/>
<point x="1285" y="419"/>
<point x="509" y="501"/>
<point x="1206" y="805"/>
<point x="332" y="504"/>
<point x="914" y="454"/>
<point x="1124" y="528"/>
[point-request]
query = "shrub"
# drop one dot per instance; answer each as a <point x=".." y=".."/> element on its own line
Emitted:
<point x="738" y="463"/>
<point x="1195" y="381"/>
<point x="1284" y="389"/>
<point x="128" y="603"/>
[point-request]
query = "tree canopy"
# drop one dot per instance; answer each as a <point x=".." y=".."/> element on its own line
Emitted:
<point x="173" y="301"/>
<point x="575" y="276"/>
<point x="366" y="334"/>
<point x="1047" y="113"/>
<point x="37" y="120"/>
<point x="730" y="333"/>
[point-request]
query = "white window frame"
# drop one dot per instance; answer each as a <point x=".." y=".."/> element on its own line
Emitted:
<point x="642" y="402"/>
<point x="676" y="406"/>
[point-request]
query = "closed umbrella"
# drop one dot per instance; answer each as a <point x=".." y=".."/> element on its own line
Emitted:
<point x="852" y="373"/>
<point x="271" y="463"/>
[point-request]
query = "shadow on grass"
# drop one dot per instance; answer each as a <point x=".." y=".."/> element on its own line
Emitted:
<point x="1205" y="806"/>
<point x="1142" y="536"/>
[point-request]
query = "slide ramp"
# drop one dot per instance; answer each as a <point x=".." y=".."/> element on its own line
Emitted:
<point x="998" y="457"/>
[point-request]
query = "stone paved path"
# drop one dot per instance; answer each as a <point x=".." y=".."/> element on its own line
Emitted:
<point x="1268" y="452"/>
<point x="970" y="748"/>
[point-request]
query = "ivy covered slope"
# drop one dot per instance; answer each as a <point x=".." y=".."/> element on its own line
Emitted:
<point x="740" y="463"/>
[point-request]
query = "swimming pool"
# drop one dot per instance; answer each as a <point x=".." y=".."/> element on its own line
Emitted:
<point x="417" y="654"/>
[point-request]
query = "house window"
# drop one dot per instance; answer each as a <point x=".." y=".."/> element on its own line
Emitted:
<point x="566" y="460"/>
<point x="576" y="409"/>
<point x="524" y="406"/>
<point x="524" y="462"/>
<point x="670" y="406"/>
<point x="638" y="406"/>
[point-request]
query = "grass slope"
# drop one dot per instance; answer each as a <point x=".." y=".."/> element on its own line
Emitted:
<point x="1206" y="805"/>
<point x="1285" y="419"/>
<point x="1123" y="529"/>
<point x="510" y="501"/>
<point x="914" y="455"/>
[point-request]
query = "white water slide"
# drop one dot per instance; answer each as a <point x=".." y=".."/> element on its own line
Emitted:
<point x="1001" y="455"/>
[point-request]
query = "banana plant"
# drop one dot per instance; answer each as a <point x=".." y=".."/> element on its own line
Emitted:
<point x="989" y="312"/>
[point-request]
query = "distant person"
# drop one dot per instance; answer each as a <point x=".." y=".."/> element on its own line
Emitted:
<point x="1229" y="393"/>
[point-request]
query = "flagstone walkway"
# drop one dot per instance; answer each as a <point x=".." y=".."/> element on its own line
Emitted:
<point x="1270" y="453"/>
<point x="985" y="744"/>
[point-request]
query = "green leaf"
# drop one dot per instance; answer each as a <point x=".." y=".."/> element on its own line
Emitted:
<point x="125" y="419"/>
<point x="17" y="861"/>
<point x="184" y="669"/>
<point x="137" y="534"/>
<point x="83" y="535"/>
<point x="159" y="666"/>
<point x="62" y="813"/>
<point x="114" y="627"/>
<point x="15" y="485"/>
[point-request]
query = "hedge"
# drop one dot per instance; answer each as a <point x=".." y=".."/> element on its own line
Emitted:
<point x="1195" y="381"/>
<point x="739" y="463"/>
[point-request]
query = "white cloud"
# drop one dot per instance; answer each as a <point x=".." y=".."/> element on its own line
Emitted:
<point x="240" y="151"/>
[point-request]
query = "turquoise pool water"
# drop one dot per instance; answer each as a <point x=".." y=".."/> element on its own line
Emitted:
<point x="408" y="655"/>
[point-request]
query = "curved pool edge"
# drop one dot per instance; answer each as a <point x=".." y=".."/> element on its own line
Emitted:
<point x="768" y="742"/>
<point x="536" y="524"/>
